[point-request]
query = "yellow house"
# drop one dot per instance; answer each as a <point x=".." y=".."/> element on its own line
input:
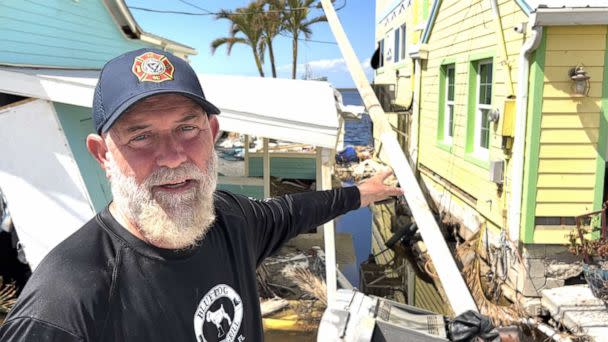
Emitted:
<point x="508" y="120"/>
<point x="399" y="28"/>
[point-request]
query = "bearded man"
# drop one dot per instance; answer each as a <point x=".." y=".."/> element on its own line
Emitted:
<point x="170" y="258"/>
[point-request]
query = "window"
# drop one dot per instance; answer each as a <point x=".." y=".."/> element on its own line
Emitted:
<point x="448" y="121"/>
<point x="402" y="41"/>
<point x="483" y="105"/>
<point x="388" y="48"/>
<point x="397" y="42"/>
<point x="447" y="94"/>
<point x="381" y="49"/>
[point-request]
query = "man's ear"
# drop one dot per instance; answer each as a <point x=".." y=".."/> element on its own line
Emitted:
<point x="215" y="126"/>
<point x="98" y="149"/>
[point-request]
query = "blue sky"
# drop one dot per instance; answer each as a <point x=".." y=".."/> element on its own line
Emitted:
<point x="357" y="17"/>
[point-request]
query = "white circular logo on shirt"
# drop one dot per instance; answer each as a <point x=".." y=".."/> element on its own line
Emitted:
<point x="219" y="315"/>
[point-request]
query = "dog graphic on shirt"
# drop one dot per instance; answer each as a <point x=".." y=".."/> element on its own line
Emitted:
<point x="217" y="317"/>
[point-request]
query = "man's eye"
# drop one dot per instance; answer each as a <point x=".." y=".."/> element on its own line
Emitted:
<point x="188" y="131"/>
<point x="141" y="137"/>
<point x="140" y="140"/>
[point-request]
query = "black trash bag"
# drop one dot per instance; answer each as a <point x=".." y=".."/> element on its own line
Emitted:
<point x="471" y="325"/>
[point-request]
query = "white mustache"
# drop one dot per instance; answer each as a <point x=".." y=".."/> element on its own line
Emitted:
<point x="179" y="174"/>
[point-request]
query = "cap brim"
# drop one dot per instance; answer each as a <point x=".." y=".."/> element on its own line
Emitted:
<point x="209" y="107"/>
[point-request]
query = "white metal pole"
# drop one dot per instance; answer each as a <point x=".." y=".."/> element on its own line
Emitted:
<point x="456" y="290"/>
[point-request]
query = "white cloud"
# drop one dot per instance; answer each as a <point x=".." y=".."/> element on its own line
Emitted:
<point x="324" y="66"/>
<point x="367" y="67"/>
<point x="328" y="65"/>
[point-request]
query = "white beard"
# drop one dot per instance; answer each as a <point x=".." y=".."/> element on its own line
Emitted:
<point x="165" y="219"/>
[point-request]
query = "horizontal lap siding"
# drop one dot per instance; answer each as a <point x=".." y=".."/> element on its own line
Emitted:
<point x="291" y="168"/>
<point x="60" y="33"/>
<point x="570" y="125"/>
<point x="461" y="30"/>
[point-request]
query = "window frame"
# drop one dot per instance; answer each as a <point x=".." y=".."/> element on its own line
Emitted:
<point x="403" y="42"/>
<point x="483" y="152"/>
<point x="449" y="115"/>
<point x="396" y="44"/>
<point x="474" y="152"/>
<point x="444" y="140"/>
<point x="381" y="48"/>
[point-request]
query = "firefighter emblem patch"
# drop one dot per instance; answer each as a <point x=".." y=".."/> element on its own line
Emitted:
<point x="152" y="67"/>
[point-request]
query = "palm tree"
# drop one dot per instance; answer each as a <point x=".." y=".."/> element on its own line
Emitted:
<point x="272" y="25"/>
<point x="249" y="23"/>
<point x="295" y="22"/>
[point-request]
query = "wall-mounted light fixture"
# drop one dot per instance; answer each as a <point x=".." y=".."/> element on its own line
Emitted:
<point x="581" y="81"/>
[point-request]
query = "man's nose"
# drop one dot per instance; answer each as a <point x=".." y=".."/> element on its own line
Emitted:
<point x="170" y="152"/>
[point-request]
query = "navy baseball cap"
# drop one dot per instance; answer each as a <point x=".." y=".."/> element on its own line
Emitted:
<point x="139" y="74"/>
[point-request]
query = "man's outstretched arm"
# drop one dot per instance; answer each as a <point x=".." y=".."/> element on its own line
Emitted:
<point x="277" y="220"/>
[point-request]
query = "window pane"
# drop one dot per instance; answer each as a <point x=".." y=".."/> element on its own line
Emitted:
<point x="489" y="76"/>
<point x="483" y="73"/>
<point x="381" y="52"/>
<point x="488" y="94"/>
<point x="484" y="130"/>
<point x="451" y="120"/>
<point x="485" y="83"/>
<point x="450" y="83"/>
<point x="402" y="41"/>
<point x="396" y="58"/>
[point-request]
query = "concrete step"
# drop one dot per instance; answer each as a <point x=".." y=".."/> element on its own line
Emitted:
<point x="578" y="310"/>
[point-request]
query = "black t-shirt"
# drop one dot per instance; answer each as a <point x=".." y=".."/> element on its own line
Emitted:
<point x="104" y="284"/>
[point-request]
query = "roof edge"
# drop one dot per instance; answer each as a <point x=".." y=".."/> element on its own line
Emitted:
<point x="524" y="6"/>
<point x="430" y="22"/>
<point x="119" y="10"/>
<point x="571" y="16"/>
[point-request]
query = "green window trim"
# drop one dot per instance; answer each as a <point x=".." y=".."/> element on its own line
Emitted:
<point x="472" y="153"/>
<point x="601" y="142"/>
<point x="447" y="75"/>
<point x="534" y="113"/>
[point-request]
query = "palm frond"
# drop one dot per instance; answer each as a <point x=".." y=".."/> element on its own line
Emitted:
<point x="229" y="41"/>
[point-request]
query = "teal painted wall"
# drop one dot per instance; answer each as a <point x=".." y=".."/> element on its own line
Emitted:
<point x="63" y="33"/>
<point x="295" y="168"/>
<point x="245" y="190"/>
<point x="77" y="124"/>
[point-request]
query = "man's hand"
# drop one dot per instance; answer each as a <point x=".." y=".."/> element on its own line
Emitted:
<point x="373" y="189"/>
